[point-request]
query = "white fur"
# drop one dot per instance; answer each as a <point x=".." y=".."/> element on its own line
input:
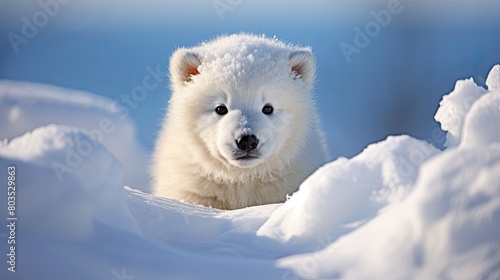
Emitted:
<point x="194" y="159"/>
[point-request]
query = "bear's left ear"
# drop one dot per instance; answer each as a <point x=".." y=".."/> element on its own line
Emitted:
<point x="303" y="64"/>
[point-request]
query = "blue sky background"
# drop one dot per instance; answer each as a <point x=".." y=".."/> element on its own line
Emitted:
<point x="393" y="86"/>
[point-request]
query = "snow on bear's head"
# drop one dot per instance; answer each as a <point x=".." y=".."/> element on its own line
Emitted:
<point x="246" y="98"/>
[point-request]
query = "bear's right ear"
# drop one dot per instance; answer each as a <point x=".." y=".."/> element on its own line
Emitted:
<point x="183" y="65"/>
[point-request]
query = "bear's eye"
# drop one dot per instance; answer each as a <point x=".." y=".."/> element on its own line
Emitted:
<point x="268" y="109"/>
<point x="221" y="110"/>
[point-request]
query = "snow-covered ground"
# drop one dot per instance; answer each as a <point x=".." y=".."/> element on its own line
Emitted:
<point x="401" y="209"/>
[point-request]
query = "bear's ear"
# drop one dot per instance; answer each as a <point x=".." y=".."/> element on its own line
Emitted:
<point x="183" y="65"/>
<point x="303" y="65"/>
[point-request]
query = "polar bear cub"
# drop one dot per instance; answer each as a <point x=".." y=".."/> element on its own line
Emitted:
<point x="241" y="127"/>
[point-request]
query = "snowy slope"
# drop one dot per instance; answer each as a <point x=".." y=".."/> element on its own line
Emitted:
<point x="401" y="209"/>
<point x="25" y="106"/>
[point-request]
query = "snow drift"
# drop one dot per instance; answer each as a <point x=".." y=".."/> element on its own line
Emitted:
<point x="401" y="209"/>
<point x="25" y="106"/>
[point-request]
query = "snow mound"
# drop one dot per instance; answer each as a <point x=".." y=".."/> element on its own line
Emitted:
<point x="400" y="209"/>
<point x="448" y="228"/>
<point x="66" y="206"/>
<point x="25" y="106"/>
<point x="481" y="126"/>
<point x="493" y="79"/>
<point x="350" y="191"/>
<point x="455" y="106"/>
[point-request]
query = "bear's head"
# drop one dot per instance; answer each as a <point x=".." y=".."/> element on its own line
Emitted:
<point x="245" y="99"/>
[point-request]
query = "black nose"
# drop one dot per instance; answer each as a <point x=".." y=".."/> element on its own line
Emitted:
<point x="247" y="143"/>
